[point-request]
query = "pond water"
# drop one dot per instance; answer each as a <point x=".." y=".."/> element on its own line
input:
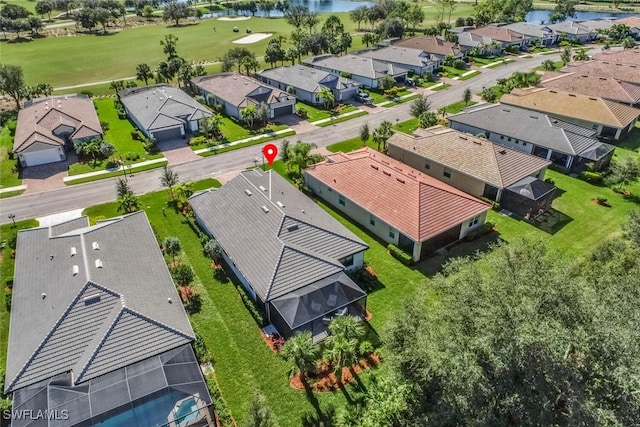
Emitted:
<point x="320" y="6"/>
<point x="542" y="16"/>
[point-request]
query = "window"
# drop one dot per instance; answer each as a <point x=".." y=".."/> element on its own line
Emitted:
<point x="488" y="134"/>
<point x="330" y="189"/>
<point x="517" y="142"/>
<point x="501" y="136"/>
<point x="474" y="221"/>
<point x="524" y="144"/>
<point x="392" y="233"/>
<point x="509" y="139"/>
<point x="447" y="172"/>
<point x="347" y="261"/>
<point x="427" y="164"/>
<point x="538" y="174"/>
<point x="341" y="199"/>
<point x="372" y="220"/>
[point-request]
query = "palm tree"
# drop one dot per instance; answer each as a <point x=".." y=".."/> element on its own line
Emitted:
<point x="364" y="133"/>
<point x="565" y="56"/>
<point x="300" y="157"/>
<point x="327" y="97"/>
<point x="122" y="187"/>
<point x="128" y="203"/>
<point x="90" y="148"/>
<point x="466" y="96"/>
<point x="249" y="114"/>
<point x="249" y="63"/>
<point x="301" y="352"/>
<point x="143" y="73"/>
<point x="549" y="65"/>
<point x="284" y="150"/>
<point x="581" y="55"/>
<point x="382" y="134"/>
<point x="348" y="327"/>
<point x="342" y="353"/>
<point x="169" y="178"/>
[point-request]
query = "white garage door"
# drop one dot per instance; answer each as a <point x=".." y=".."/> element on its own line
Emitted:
<point x="41" y="157"/>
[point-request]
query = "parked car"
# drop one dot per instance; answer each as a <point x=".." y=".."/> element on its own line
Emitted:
<point x="364" y="98"/>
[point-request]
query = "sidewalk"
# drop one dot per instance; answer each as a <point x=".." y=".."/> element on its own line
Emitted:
<point x="119" y="168"/>
<point x="241" y="141"/>
<point x="10" y="189"/>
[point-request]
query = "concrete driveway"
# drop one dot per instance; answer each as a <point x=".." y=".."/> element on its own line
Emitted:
<point x="177" y="151"/>
<point x="45" y="177"/>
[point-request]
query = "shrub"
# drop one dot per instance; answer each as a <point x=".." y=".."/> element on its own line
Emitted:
<point x="256" y="313"/>
<point x="302" y="112"/>
<point x="601" y="200"/>
<point x="485" y="228"/>
<point x="182" y="274"/>
<point x="193" y="303"/>
<point x="365" y="349"/>
<point x="592" y="177"/>
<point x="11" y="155"/>
<point x="131" y="156"/>
<point x="11" y="125"/>
<point x="87" y="92"/>
<point x="7" y="299"/>
<point x="399" y="254"/>
<point x="150" y="145"/>
<point x="104" y="125"/>
<point x="220" y="108"/>
<point x="550" y="181"/>
<point x="459" y="64"/>
<point x="136" y="135"/>
<point x="112" y="162"/>
<point x="220" y="406"/>
<point x="201" y="350"/>
<point x="197" y="140"/>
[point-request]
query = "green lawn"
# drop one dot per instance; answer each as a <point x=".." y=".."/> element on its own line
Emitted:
<point x="315" y="113"/>
<point x="118" y="134"/>
<point x="444" y="86"/>
<point x="501" y="63"/>
<point x="7" y="264"/>
<point x="8" y="178"/>
<point x="470" y="75"/>
<point x="131" y="170"/>
<point x="450" y="72"/>
<point x="342" y="119"/>
<point x="350" y="145"/>
<point x="220" y="149"/>
<point x="402" y="100"/>
<point x="408" y="126"/>
<point x="456" y="107"/>
<point x="557" y="66"/>
<point x="243" y="362"/>
<point x="378" y="95"/>
<point x="483" y="60"/>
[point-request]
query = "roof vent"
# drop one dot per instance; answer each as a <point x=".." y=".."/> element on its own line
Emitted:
<point x="462" y="137"/>
<point x="73" y="250"/>
<point x="262" y="188"/>
<point x="75" y="270"/>
<point x="386" y="173"/>
<point x="534" y="117"/>
<point x="265" y="209"/>
<point x="44" y="295"/>
<point x="95" y="246"/>
<point x="593" y="99"/>
<point x="572" y="94"/>
<point x="400" y="180"/>
<point x="503" y="152"/>
<point x="385" y="162"/>
<point x="98" y="263"/>
<point x="91" y="299"/>
<point x="506" y="110"/>
<point x="292" y="228"/>
<point x="375" y="167"/>
<point x="247" y="192"/>
<point x="169" y="300"/>
<point x="553" y="91"/>
<point x="280" y="204"/>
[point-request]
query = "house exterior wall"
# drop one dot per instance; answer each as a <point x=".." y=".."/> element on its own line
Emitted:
<point x="469" y="225"/>
<point x="354" y="211"/>
<point x="416" y="69"/>
<point x="366" y="81"/>
<point x="524" y="146"/>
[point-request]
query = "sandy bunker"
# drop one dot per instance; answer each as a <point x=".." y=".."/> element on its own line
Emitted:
<point x="253" y="38"/>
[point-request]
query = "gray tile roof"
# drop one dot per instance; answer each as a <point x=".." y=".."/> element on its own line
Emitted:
<point x="285" y="249"/>
<point x="530" y="126"/>
<point x="401" y="55"/>
<point x="531" y="30"/>
<point x="307" y="78"/>
<point x="570" y="27"/>
<point x="113" y="311"/>
<point x="160" y="106"/>
<point x="356" y="65"/>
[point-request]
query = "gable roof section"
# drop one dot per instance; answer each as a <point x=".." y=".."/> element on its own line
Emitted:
<point x="473" y="40"/>
<point x="580" y="107"/>
<point x="501" y="34"/>
<point x="480" y="158"/>
<point x="356" y="65"/>
<point x="615" y="70"/>
<point x="160" y="106"/>
<point x="531" y="30"/>
<point x="430" y="44"/>
<point x="79" y="290"/>
<point x="591" y="85"/>
<point x="401" y="55"/>
<point x="571" y="27"/>
<point x="416" y="204"/>
<point x="285" y="249"/>
<point x="533" y="127"/>
<point x="626" y="56"/>
<point x="239" y="90"/>
<point x="307" y="78"/>
<point x="40" y="117"/>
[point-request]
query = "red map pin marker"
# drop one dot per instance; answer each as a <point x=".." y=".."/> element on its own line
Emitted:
<point x="270" y="152"/>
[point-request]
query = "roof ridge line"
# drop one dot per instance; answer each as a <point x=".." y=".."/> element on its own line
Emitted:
<point x="312" y="254"/>
<point x="275" y="269"/>
<point x="320" y="228"/>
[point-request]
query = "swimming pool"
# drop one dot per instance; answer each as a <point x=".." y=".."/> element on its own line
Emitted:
<point x="186" y="411"/>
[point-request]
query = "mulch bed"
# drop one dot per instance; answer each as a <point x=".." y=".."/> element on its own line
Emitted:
<point x="185" y="292"/>
<point x="325" y="380"/>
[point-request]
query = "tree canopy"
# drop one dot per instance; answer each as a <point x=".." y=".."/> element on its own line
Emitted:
<point x="523" y="336"/>
<point x="502" y="11"/>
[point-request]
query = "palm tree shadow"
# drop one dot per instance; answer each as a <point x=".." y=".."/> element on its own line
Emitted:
<point x="322" y="418"/>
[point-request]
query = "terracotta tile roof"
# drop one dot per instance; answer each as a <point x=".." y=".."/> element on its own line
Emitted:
<point x="499" y="33"/>
<point x="431" y="44"/>
<point x="479" y="158"/>
<point x="630" y="21"/>
<point x="617" y="70"/>
<point x="241" y="91"/>
<point x="591" y="85"/>
<point x="416" y="204"/>
<point x="627" y="56"/>
<point x="581" y="107"/>
<point x="39" y="118"/>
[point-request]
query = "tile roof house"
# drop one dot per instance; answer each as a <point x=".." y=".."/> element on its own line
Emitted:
<point x="48" y="127"/>
<point x="400" y="205"/>
<point x="289" y="254"/>
<point x="163" y="112"/>
<point x="307" y="83"/>
<point x="610" y="119"/>
<point x="482" y="44"/>
<point x="617" y="70"/>
<point x="475" y="165"/>
<point x="96" y="324"/>
<point x="633" y="22"/>
<point x="543" y="33"/>
<point x="436" y="46"/>
<point x="235" y="92"/>
<point x="603" y="87"/>
<point x="367" y="71"/>
<point x="598" y="25"/>
<point x="626" y="56"/>
<point x="574" y="31"/>
<point x="565" y="144"/>
<point x="419" y="61"/>
<point x="503" y="35"/>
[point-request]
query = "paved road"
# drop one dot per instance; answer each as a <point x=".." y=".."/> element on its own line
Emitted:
<point x="83" y="195"/>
